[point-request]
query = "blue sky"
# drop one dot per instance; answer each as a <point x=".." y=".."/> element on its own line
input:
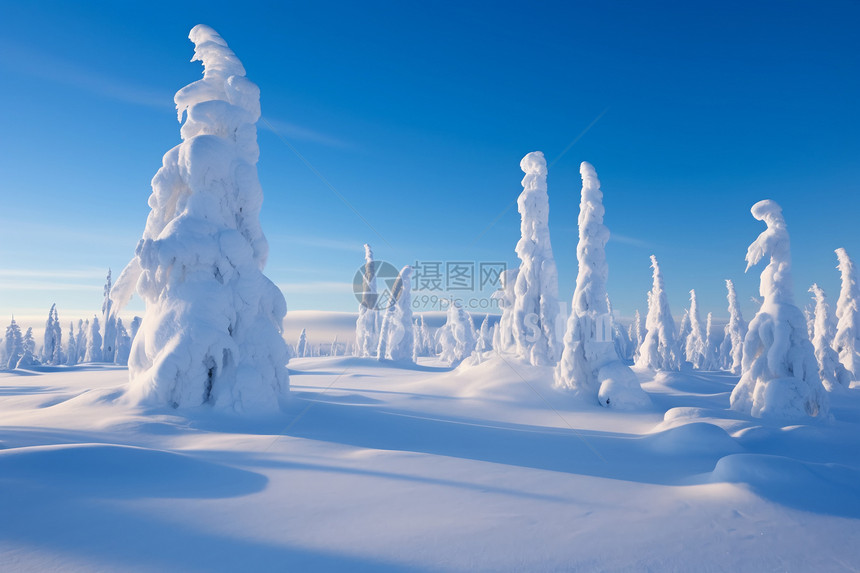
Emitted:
<point x="419" y="115"/>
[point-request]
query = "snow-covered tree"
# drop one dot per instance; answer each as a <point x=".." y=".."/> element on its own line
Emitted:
<point x="457" y="336"/>
<point x="694" y="345"/>
<point x="710" y="355"/>
<point x="779" y="373"/>
<point x="52" y="349"/>
<point x="14" y="343"/>
<point x="302" y="344"/>
<point x="732" y="346"/>
<point x="684" y="331"/>
<point x="123" y="344"/>
<point x="503" y="340"/>
<point x="83" y="334"/>
<point x="28" y="356"/>
<point x="71" y="346"/>
<point x="424" y="345"/>
<point x="109" y="321"/>
<point x="397" y="323"/>
<point x="94" y="342"/>
<point x="833" y="374"/>
<point x="212" y="329"/>
<point x="484" y="340"/>
<point x="536" y="305"/>
<point x="590" y="366"/>
<point x="367" y="324"/>
<point x="636" y="332"/>
<point x="660" y="349"/>
<point x="847" y="339"/>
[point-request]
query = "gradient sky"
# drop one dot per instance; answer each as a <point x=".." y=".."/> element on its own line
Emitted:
<point x="418" y="116"/>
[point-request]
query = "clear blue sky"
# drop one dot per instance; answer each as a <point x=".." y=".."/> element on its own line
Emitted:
<point x="419" y="115"/>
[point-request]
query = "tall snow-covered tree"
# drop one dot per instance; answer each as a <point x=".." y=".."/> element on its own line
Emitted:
<point x="710" y="356"/>
<point x="397" y="323"/>
<point x="846" y="342"/>
<point x="14" y="343"/>
<point x="52" y="349"/>
<point x="779" y="373"/>
<point x="83" y="334"/>
<point x="212" y="330"/>
<point x="684" y="330"/>
<point x="694" y="344"/>
<point x="660" y="349"/>
<point x="833" y="374"/>
<point x="503" y="340"/>
<point x="536" y="305"/>
<point x="94" y="342"/>
<point x="590" y="366"/>
<point x="302" y="344"/>
<point x="457" y="336"/>
<point x="732" y="346"/>
<point x="636" y="332"/>
<point x="367" y="324"/>
<point x="109" y="322"/>
<point x="71" y="346"/>
<point x="423" y="341"/>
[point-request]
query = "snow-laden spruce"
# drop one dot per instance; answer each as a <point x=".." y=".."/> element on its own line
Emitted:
<point x="833" y="374"/>
<point x="694" y="344"/>
<point x="660" y="349"/>
<point x="503" y="338"/>
<point x="710" y="356"/>
<point x="457" y="338"/>
<point x="779" y="376"/>
<point x="636" y="333"/>
<point x="399" y="343"/>
<point x="28" y="355"/>
<point x="52" y="348"/>
<point x="367" y="324"/>
<point x="847" y="339"/>
<point x="109" y="321"/>
<point x="732" y="346"/>
<point x="536" y="305"/>
<point x="590" y="366"/>
<point x="13" y="344"/>
<point x="94" y="342"/>
<point x="302" y="344"/>
<point x="212" y="329"/>
<point x="71" y="346"/>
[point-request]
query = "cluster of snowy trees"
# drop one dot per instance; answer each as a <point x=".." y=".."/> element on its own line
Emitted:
<point x="84" y="342"/>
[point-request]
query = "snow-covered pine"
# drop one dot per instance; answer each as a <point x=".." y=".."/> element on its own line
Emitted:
<point x="484" y="341"/>
<point x="684" y="331"/>
<point x="94" y="342"/>
<point x="123" y="344"/>
<point x="212" y="329"/>
<point x="457" y="336"/>
<point x="847" y="339"/>
<point x="14" y="344"/>
<point x="71" y="346"/>
<point x="109" y="322"/>
<point x="833" y="374"/>
<point x="710" y="355"/>
<point x="590" y="366"/>
<point x="536" y="305"/>
<point x="694" y="345"/>
<point x="636" y="332"/>
<point x="779" y="376"/>
<point x="659" y="349"/>
<point x="52" y="349"/>
<point x="503" y="339"/>
<point x="302" y="344"/>
<point x="83" y="334"/>
<point x="28" y="356"/>
<point x="399" y="344"/>
<point x="367" y="324"/>
<point x="732" y="346"/>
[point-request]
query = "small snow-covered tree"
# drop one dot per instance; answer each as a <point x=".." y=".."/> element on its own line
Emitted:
<point x="109" y="321"/>
<point x="660" y="349"/>
<point x="779" y="373"/>
<point x="457" y="336"/>
<point x="52" y="348"/>
<point x="94" y="342"/>
<point x="636" y="332"/>
<point x="732" y="346"/>
<point x="684" y="331"/>
<point x="71" y="346"/>
<point x="123" y="344"/>
<point x="710" y="356"/>
<point x="28" y="356"/>
<point x="397" y="323"/>
<point x="695" y="344"/>
<point x="846" y="342"/>
<point x="83" y="334"/>
<point x="14" y="343"/>
<point x="504" y="341"/>
<point x="536" y="305"/>
<point x="590" y="366"/>
<point x="484" y="341"/>
<point x="367" y="324"/>
<point x="212" y="333"/>
<point x="302" y="344"/>
<point x="833" y="374"/>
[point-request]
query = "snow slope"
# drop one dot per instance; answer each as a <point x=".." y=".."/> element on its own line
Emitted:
<point x="375" y="467"/>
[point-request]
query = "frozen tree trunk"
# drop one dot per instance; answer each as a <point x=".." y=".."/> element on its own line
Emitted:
<point x="536" y="304"/>
<point x="400" y="341"/>
<point x="846" y="342"/>
<point x="367" y="324"/>
<point x="779" y="376"/>
<point x="212" y="330"/>
<point x="695" y="344"/>
<point x="659" y="350"/>
<point x="94" y="342"/>
<point x="590" y="366"/>
<point x="833" y="374"/>
<point x="732" y="347"/>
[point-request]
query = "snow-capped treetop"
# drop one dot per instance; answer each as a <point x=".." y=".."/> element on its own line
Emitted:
<point x="590" y="294"/>
<point x="366" y="325"/>
<point x="847" y="339"/>
<point x="776" y="278"/>
<point x="695" y="343"/>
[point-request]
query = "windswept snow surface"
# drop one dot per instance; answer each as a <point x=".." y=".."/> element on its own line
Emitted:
<point x="383" y="467"/>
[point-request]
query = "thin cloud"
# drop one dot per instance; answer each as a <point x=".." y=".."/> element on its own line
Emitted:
<point x="632" y="241"/>
<point x="293" y="131"/>
<point x="318" y="287"/>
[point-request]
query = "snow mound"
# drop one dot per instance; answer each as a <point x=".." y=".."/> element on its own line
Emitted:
<point x="695" y="438"/>
<point x="619" y="388"/>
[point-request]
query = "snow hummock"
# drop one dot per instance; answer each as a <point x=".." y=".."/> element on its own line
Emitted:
<point x="779" y="373"/>
<point x="212" y="329"/>
<point x="847" y="339"/>
<point x="536" y="305"/>
<point x="590" y="365"/>
<point x="660" y="349"/>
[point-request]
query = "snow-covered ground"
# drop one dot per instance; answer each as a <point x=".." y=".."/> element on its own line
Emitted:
<point x="373" y="467"/>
